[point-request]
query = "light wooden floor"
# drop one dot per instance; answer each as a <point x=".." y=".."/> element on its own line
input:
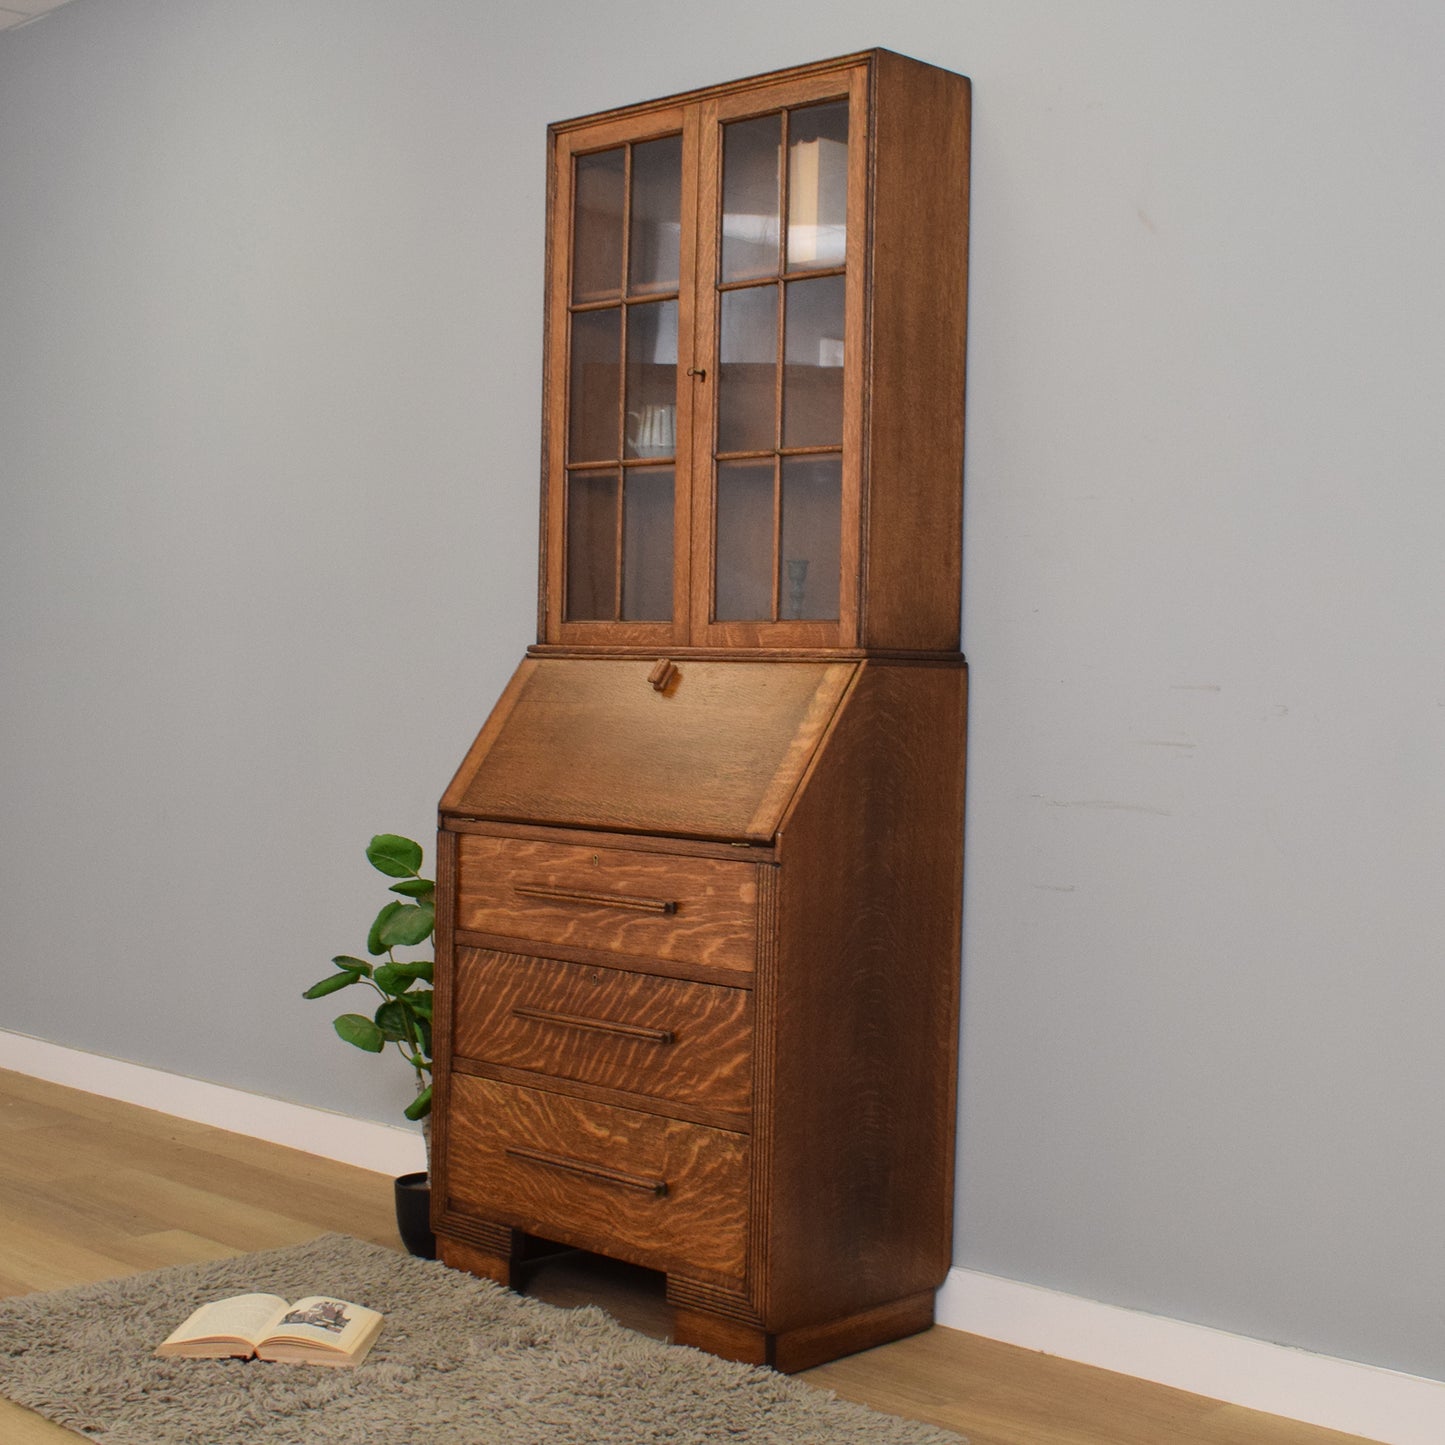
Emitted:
<point x="91" y="1189"/>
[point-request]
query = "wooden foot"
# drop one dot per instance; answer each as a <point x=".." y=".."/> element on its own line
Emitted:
<point x="488" y="1263"/>
<point x="718" y="1335"/>
<point x="801" y="1349"/>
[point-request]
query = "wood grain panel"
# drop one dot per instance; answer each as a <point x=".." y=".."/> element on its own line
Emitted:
<point x="919" y="302"/>
<point x="587" y="1174"/>
<point x="865" y="1013"/>
<point x="589" y="743"/>
<point x="679" y="1041"/>
<point x="581" y="897"/>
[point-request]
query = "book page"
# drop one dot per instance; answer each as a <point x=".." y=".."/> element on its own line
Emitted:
<point x="243" y="1317"/>
<point x="320" y="1320"/>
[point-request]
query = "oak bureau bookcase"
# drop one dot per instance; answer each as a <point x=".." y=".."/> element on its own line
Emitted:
<point x="700" y="873"/>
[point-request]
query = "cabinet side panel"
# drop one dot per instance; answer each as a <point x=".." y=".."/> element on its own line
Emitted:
<point x="865" y="1012"/>
<point x="919" y="278"/>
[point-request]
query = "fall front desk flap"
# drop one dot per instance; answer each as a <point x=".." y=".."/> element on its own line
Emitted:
<point x="708" y="750"/>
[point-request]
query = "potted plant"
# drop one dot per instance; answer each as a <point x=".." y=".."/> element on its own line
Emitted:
<point x="404" y="1015"/>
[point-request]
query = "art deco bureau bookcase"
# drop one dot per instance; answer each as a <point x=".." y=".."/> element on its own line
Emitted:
<point x="698" y="934"/>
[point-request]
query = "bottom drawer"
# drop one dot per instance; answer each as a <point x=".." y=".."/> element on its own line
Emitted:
<point x="655" y="1191"/>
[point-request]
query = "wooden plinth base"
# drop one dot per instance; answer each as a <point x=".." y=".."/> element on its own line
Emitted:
<point x="792" y="1350"/>
<point x="787" y="1351"/>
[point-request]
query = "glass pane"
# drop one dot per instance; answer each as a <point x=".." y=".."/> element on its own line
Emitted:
<point x="593" y="406"/>
<point x="591" y="546"/>
<point x="597" y="226"/>
<point x="651" y="380"/>
<point x="647" y="544"/>
<point x="752" y="163"/>
<point x="652" y="251"/>
<point x="748" y="370"/>
<point x="744" y="586"/>
<point x="817" y="186"/>
<point x="813" y="356"/>
<point x="812" y="530"/>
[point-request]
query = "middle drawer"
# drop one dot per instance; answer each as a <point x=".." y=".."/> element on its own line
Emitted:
<point x="688" y="1043"/>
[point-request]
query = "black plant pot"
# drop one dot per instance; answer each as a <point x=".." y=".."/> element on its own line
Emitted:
<point x="413" y="1214"/>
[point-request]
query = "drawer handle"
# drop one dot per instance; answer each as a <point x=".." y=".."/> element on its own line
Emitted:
<point x="602" y="1026"/>
<point x="607" y="900"/>
<point x="656" y="1187"/>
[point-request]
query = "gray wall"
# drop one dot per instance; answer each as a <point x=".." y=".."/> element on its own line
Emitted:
<point x="270" y="319"/>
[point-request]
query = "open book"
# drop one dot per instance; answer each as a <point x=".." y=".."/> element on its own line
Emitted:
<point x="316" y="1330"/>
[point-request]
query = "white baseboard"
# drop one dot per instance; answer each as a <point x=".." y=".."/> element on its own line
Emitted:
<point x="1359" y="1399"/>
<point x="385" y="1148"/>
<point x="1338" y="1394"/>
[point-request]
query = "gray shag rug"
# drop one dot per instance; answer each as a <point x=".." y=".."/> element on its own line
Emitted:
<point x="460" y="1361"/>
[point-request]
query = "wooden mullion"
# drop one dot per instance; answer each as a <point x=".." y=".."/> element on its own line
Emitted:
<point x="702" y="470"/>
<point x="819" y="451"/>
<point x="622" y="372"/>
<point x="626" y="290"/>
<point x="783" y="192"/>
<point x="621" y="450"/>
<point x="784" y="204"/>
<point x="755" y="456"/>
<point x="626" y="222"/>
<point x="779" y="369"/>
<point x="686" y="391"/>
<point x="779" y="361"/>
<point x="611" y="301"/>
<point x="617" y="544"/>
<point x="812" y="275"/>
<point x="777" y="585"/>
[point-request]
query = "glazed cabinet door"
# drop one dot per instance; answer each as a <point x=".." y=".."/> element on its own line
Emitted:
<point x="780" y="324"/>
<point x="619" y="343"/>
<point x="704" y="376"/>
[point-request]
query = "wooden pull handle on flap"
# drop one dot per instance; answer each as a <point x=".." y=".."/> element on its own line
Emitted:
<point x="663" y="675"/>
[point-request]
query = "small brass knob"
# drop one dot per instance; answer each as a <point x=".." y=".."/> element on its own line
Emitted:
<point x="663" y="675"/>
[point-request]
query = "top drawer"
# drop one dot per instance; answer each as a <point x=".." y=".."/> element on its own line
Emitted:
<point x="646" y="905"/>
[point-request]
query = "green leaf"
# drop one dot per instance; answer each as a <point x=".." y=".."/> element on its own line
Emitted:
<point x="416" y="968"/>
<point x="407" y="924"/>
<point x="394" y="856"/>
<point x="423" y="1032"/>
<point x="355" y="965"/>
<point x="358" y="1030"/>
<point x="415" y="888"/>
<point x="374" y="944"/>
<point x="329" y="985"/>
<point x="421" y="1003"/>
<point x="391" y="1020"/>
<point x="390" y="978"/>
<point x="419" y="1106"/>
